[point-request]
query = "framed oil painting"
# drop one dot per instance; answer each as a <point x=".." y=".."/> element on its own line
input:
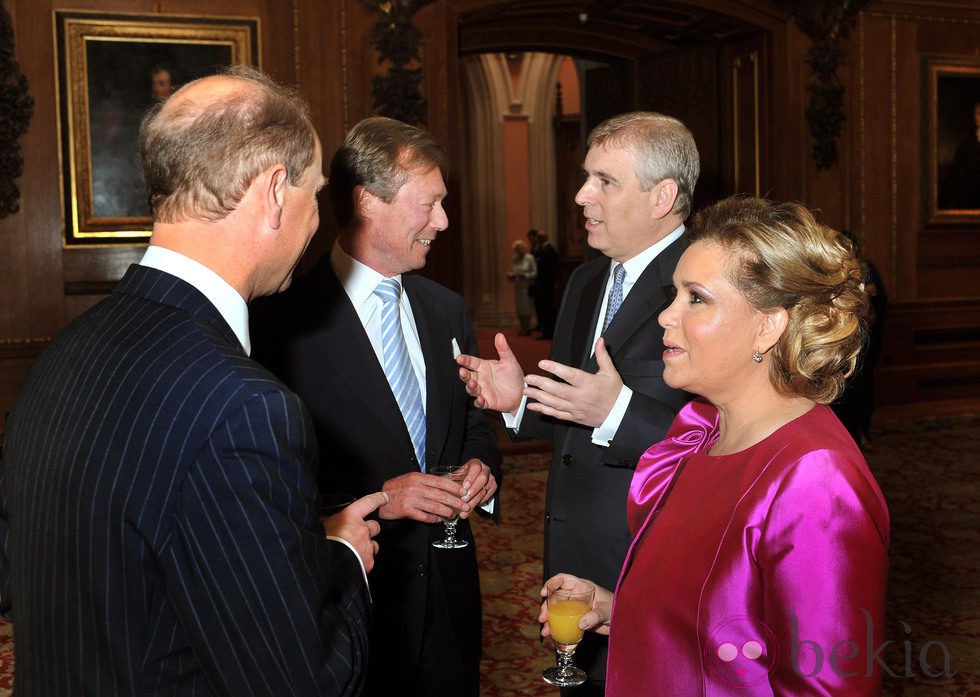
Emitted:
<point x="111" y="69"/>
<point x="953" y="139"/>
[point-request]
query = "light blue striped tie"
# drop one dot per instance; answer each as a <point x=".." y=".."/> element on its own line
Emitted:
<point x="398" y="366"/>
<point x="615" y="295"/>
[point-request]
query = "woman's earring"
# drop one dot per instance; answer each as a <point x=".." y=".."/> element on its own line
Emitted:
<point x="757" y="357"/>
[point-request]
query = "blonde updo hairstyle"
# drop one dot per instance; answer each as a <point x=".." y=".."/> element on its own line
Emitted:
<point x="782" y="257"/>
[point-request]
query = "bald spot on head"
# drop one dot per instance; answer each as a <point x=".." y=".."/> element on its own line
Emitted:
<point x="187" y="103"/>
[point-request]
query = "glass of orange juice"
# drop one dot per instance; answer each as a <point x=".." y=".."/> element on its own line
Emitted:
<point x="565" y="609"/>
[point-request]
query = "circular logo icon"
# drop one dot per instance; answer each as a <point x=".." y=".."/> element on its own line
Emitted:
<point x="741" y="651"/>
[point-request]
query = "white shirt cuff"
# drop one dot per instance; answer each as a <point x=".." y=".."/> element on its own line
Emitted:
<point x="605" y="432"/>
<point x="512" y="419"/>
<point x="359" y="561"/>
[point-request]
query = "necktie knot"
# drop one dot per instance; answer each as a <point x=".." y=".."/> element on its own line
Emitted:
<point x="615" y="295"/>
<point x="389" y="290"/>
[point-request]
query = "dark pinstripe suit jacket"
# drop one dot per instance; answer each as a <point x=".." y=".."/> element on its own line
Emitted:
<point x="158" y="515"/>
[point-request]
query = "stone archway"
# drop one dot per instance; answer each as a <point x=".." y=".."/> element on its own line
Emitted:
<point x="498" y="107"/>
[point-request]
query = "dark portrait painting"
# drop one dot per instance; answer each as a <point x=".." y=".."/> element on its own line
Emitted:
<point x="954" y="135"/>
<point x="125" y="78"/>
<point x="111" y="70"/>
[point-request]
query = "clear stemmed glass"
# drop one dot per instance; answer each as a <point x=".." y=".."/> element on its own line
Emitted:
<point x="456" y="474"/>
<point x="565" y="609"/>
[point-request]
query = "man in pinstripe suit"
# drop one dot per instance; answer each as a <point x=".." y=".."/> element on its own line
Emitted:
<point x="157" y="505"/>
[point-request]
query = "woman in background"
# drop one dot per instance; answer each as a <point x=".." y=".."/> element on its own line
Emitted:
<point x="523" y="269"/>
<point x="759" y="559"/>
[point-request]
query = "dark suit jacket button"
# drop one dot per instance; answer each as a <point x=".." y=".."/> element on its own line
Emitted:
<point x="421" y="570"/>
<point x="547" y="517"/>
<point x="566" y="459"/>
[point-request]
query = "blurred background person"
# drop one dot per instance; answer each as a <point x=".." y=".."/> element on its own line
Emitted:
<point x="856" y="404"/>
<point x="522" y="271"/>
<point x="759" y="561"/>
<point x="544" y="289"/>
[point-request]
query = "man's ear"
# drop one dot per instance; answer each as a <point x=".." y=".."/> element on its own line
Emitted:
<point x="364" y="201"/>
<point x="275" y="180"/>
<point x="664" y="194"/>
<point x="771" y="326"/>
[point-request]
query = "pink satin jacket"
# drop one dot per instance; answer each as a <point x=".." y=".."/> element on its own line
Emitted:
<point x="757" y="573"/>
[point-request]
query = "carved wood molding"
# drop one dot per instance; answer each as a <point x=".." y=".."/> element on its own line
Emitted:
<point x="397" y="40"/>
<point x="16" y="109"/>
<point x="827" y="23"/>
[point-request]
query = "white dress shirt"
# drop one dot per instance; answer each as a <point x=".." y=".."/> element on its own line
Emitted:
<point x="359" y="282"/>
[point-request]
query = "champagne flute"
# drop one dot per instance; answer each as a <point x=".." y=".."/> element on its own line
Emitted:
<point x="565" y="609"/>
<point x="455" y="474"/>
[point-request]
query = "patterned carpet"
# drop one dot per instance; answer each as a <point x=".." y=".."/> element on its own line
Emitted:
<point x="929" y="471"/>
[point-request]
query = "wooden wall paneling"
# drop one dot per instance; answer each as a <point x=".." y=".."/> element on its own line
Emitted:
<point x="874" y="175"/>
<point x="362" y="60"/>
<point x="909" y="162"/>
<point x="321" y="73"/>
<point x="686" y="84"/>
<point x="789" y="136"/>
<point x="323" y="69"/>
<point x="441" y="89"/>
<point x="40" y="186"/>
<point x="931" y="352"/>
<point x="747" y="69"/>
<point x="947" y="256"/>
<point x="825" y="189"/>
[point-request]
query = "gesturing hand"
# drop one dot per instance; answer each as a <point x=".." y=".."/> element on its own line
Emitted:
<point x="495" y="384"/>
<point x="583" y="398"/>
<point x="349" y="524"/>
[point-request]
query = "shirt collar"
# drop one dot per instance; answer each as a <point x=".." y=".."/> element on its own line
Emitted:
<point x="637" y="265"/>
<point x="226" y="299"/>
<point x="359" y="280"/>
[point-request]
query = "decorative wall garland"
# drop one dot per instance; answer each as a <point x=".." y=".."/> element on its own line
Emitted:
<point x="827" y="23"/>
<point x="397" y="41"/>
<point x="16" y="109"/>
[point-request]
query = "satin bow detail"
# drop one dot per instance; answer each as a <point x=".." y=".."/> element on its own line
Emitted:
<point x="695" y="430"/>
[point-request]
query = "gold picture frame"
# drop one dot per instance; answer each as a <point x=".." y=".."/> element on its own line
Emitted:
<point x="110" y="69"/>
<point x="953" y="118"/>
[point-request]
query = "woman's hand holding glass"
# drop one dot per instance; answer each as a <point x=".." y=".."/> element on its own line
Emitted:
<point x="596" y="620"/>
<point x="570" y="607"/>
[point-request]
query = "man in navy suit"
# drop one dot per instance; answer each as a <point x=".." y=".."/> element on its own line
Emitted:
<point x="606" y="402"/>
<point x="327" y="338"/>
<point x="158" y="512"/>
